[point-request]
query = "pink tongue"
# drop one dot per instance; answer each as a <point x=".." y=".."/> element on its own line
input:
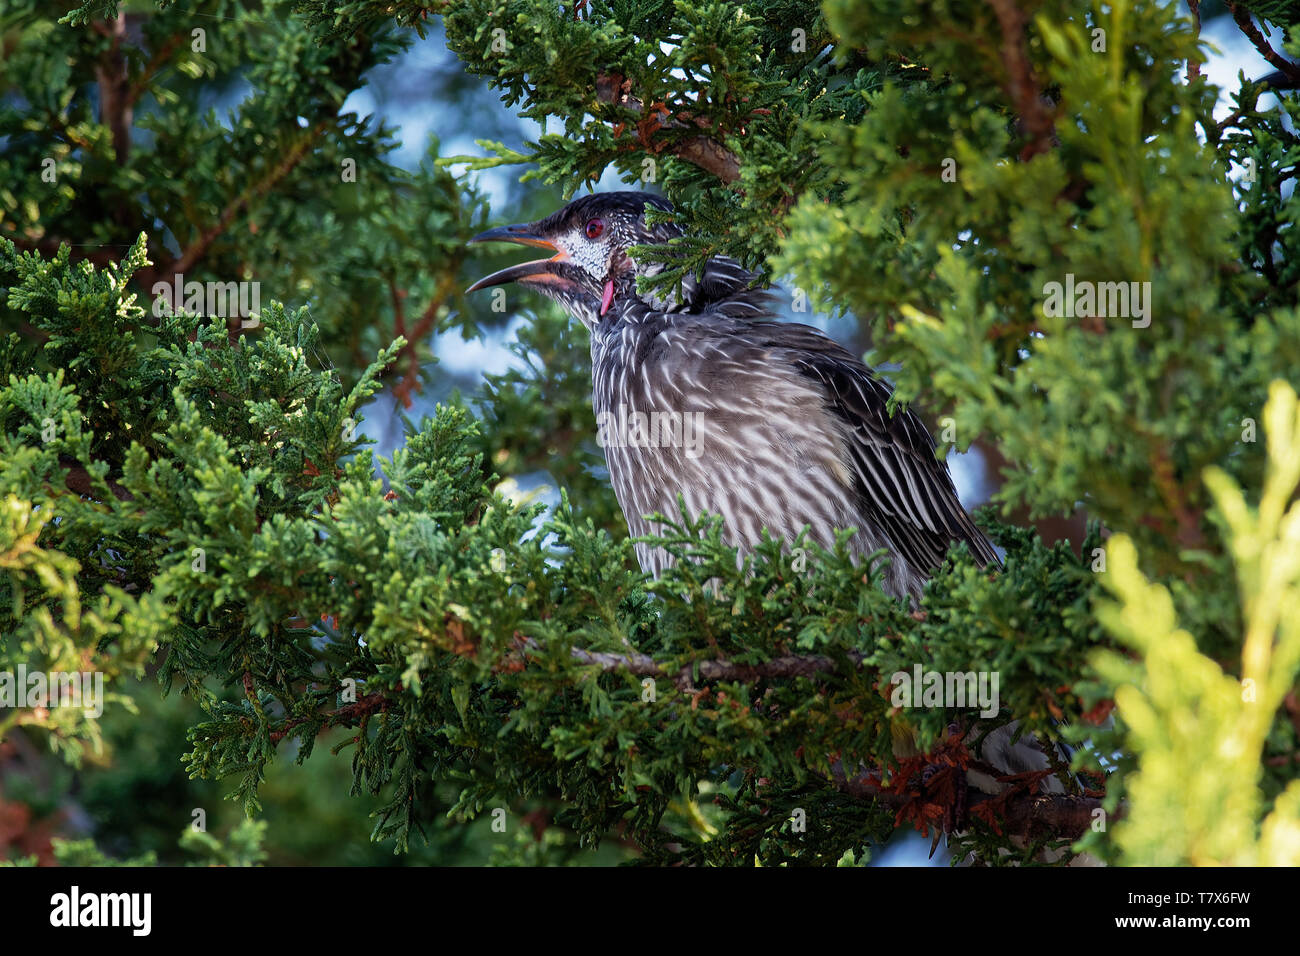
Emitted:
<point x="607" y="299"/>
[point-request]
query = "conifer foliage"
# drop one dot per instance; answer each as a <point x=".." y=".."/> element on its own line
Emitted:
<point x="1028" y="204"/>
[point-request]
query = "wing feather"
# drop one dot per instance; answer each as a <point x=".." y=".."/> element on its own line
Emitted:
<point x="903" y="487"/>
<point x="903" y="490"/>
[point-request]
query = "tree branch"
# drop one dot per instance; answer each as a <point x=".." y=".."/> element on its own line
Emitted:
<point x="1036" y="118"/>
<point x="423" y="327"/>
<point x="702" y="151"/>
<point x="115" y="110"/>
<point x="78" y="481"/>
<point x="160" y="57"/>
<point x="1247" y="26"/>
<point x="344" y="715"/>
<point x="197" y="249"/>
<point x="1019" y="811"/>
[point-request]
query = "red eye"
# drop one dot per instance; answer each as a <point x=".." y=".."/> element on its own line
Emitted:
<point x="594" y="228"/>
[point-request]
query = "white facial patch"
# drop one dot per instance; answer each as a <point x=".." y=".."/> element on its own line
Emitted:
<point x="590" y="256"/>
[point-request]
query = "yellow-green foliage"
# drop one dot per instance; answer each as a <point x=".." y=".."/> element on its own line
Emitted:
<point x="109" y="634"/>
<point x="1199" y="731"/>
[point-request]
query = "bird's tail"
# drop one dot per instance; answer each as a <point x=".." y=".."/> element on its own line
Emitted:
<point x="1005" y="756"/>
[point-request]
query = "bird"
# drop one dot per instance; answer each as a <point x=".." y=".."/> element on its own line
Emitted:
<point x="793" y="432"/>
<point x="796" y="432"/>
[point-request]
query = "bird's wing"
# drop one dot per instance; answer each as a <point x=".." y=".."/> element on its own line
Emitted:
<point x="905" y="490"/>
<point x="723" y="288"/>
<point x="726" y="288"/>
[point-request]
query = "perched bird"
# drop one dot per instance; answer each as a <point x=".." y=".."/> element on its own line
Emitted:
<point x="770" y="425"/>
<point x="789" y="429"/>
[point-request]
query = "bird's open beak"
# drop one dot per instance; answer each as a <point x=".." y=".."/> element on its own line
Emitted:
<point x="536" y="271"/>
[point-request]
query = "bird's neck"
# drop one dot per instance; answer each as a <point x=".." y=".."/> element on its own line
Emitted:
<point x="625" y="307"/>
<point x="618" y="346"/>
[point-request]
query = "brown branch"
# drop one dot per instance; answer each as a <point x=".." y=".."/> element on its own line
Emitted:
<point x="344" y="715"/>
<point x="1247" y="26"/>
<point x="702" y="151"/>
<point x="1019" y="811"/>
<point x="712" y="156"/>
<point x="424" y="325"/>
<point x="1037" y="120"/>
<point x="114" y="101"/>
<point x="1187" y="520"/>
<point x="160" y="57"/>
<point x="410" y="381"/>
<point x="1194" y="66"/>
<point x="77" y="480"/>
<point x="399" y="308"/>
<point x="402" y="390"/>
<point x="199" y="248"/>
<point x="1228" y="122"/>
<point x="118" y="95"/>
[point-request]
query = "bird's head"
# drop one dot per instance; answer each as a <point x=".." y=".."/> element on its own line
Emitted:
<point x="588" y="239"/>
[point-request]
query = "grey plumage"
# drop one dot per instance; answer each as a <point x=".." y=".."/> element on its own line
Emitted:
<point x="794" y="434"/>
<point x="795" y="431"/>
